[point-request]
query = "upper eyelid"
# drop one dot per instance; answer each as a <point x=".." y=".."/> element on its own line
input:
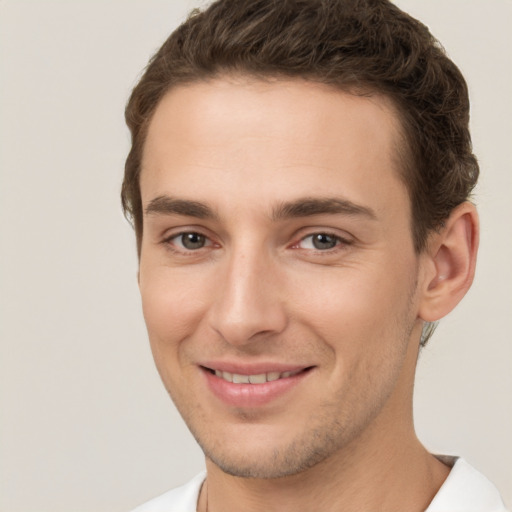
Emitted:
<point x="179" y="249"/>
<point x="303" y="233"/>
<point x="171" y="236"/>
<point x="298" y="236"/>
<point x="324" y="232"/>
<point x="339" y="240"/>
<point x="181" y="230"/>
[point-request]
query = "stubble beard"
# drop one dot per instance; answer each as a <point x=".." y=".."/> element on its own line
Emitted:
<point x="297" y="456"/>
<point x="330" y="434"/>
<point x="327" y="435"/>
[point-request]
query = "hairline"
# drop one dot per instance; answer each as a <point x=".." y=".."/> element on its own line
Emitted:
<point x="402" y="155"/>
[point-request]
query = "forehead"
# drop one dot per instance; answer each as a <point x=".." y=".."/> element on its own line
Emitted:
<point x="286" y="134"/>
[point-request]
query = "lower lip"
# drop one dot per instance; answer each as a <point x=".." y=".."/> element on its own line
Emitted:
<point x="251" y="395"/>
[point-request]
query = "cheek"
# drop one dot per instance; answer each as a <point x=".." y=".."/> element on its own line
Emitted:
<point x="172" y="310"/>
<point x="349" y="298"/>
<point x="172" y="305"/>
<point x="363" y="315"/>
<point x="366" y="325"/>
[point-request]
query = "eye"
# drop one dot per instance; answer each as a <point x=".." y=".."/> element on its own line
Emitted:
<point x="190" y="241"/>
<point x="319" y="242"/>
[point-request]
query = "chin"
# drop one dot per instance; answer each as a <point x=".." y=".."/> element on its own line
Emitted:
<point x="264" y="468"/>
<point x="267" y="462"/>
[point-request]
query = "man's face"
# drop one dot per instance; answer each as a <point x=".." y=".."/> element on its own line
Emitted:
<point x="277" y="253"/>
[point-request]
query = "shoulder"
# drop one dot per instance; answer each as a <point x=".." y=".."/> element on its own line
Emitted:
<point x="181" y="499"/>
<point x="466" y="490"/>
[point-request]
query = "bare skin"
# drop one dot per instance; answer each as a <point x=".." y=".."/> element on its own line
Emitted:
<point x="396" y="476"/>
<point x="238" y="277"/>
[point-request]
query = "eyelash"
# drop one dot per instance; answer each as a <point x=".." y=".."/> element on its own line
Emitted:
<point x="340" y="243"/>
<point x="168" y="242"/>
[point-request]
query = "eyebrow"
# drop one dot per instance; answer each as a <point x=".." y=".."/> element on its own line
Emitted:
<point x="165" y="205"/>
<point x="302" y="207"/>
<point x="310" y="206"/>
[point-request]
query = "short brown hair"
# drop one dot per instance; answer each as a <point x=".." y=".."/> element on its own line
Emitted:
<point x="359" y="46"/>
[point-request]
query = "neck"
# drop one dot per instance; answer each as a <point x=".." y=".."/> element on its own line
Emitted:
<point x="403" y="477"/>
<point x="386" y="468"/>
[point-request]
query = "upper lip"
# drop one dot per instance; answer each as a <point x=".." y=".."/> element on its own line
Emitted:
<point x="253" y="368"/>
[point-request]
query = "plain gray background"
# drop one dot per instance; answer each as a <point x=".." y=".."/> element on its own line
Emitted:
<point x="85" y="424"/>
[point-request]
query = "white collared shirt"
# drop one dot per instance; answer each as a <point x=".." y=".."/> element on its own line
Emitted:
<point x="465" y="490"/>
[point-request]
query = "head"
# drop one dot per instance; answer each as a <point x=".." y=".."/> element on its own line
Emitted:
<point x="297" y="182"/>
<point x="359" y="46"/>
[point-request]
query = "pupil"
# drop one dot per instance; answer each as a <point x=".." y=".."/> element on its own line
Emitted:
<point x="193" y="240"/>
<point x="323" y="241"/>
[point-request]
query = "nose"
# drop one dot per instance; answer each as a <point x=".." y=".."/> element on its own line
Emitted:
<point x="248" y="305"/>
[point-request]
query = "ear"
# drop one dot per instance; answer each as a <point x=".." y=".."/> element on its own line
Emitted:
<point x="450" y="261"/>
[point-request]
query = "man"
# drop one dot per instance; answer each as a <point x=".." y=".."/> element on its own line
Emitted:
<point x="298" y="182"/>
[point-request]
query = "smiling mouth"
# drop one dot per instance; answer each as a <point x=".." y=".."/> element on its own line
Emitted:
<point x="260" y="378"/>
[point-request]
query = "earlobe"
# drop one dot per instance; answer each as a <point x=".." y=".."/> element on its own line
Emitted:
<point x="451" y="258"/>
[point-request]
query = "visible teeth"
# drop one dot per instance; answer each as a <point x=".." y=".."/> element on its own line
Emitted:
<point x="240" y="379"/>
<point x="260" y="378"/>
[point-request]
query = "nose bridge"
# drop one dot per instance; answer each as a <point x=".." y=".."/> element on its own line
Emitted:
<point x="248" y="302"/>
